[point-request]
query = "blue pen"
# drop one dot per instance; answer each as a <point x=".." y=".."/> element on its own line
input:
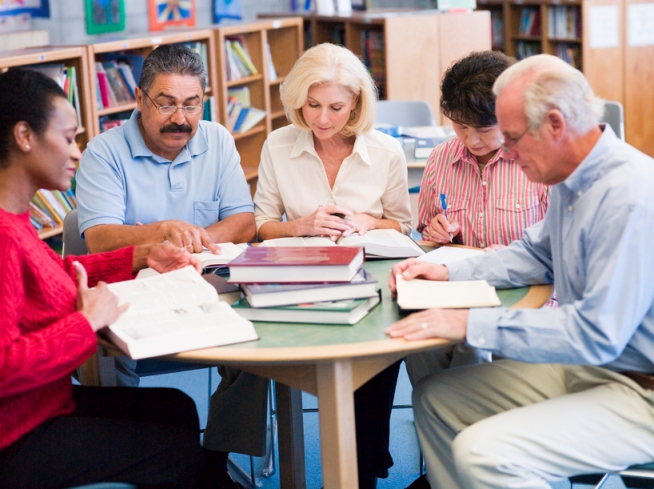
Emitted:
<point x="444" y="206"/>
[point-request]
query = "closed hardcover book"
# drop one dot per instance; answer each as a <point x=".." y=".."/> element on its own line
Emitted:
<point x="296" y="264"/>
<point x="424" y="146"/>
<point x="344" y="312"/>
<point x="271" y="295"/>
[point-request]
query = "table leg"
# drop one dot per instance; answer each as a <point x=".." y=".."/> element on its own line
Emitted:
<point x="290" y="427"/>
<point x="337" y="435"/>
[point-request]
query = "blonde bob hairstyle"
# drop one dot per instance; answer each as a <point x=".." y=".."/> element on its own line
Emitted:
<point x="326" y="64"/>
<point x="555" y="85"/>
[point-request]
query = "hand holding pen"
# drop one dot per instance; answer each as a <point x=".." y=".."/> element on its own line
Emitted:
<point x="447" y="217"/>
<point x="440" y="229"/>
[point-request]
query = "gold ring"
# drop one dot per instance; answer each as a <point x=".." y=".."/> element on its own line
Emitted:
<point x="188" y="245"/>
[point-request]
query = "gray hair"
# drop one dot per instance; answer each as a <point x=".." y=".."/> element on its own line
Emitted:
<point x="172" y="59"/>
<point x="554" y="84"/>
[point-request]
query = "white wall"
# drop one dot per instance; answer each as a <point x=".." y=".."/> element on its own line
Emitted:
<point x="67" y="24"/>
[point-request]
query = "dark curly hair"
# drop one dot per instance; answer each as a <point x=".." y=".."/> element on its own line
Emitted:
<point x="467" y="88"/>
<point x="27" y="96"/>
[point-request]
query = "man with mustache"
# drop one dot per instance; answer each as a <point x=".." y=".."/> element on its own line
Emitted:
<point x="166" y="175"/>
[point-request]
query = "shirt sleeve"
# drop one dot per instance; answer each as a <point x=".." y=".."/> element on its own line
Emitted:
<point x="35" y="358"/>
<point x="112" y="266"/>
<point x="616" y="261"/>
<point x="427" y="196"/>
<point x="100" y="191"/>
<point x="396" y="203"/>
<point x="234" y="190"/>
<point x="268" y="203"/>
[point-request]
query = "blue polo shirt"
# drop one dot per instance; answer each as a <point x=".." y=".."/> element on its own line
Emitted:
<point x="120" y="181"/>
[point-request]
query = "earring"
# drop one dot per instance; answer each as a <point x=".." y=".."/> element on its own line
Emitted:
<point x="27" y="147"/>
<point x="353" y="114"/>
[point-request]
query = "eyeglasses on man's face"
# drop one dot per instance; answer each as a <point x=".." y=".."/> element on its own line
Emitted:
<point x="509" y="143"/>
<point x="171" y="109"/>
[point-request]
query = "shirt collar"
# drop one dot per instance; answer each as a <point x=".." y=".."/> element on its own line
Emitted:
<point x="304" y="143"/>
<point x="196" y="146"/>
<point x="592" y="167"/>
<point x="463" y="155"/>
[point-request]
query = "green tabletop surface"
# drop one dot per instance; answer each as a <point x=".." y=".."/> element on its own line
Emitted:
<point x="370" y="328"/>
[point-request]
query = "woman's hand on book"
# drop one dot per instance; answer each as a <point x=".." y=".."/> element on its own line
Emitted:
<point x="98" y="304"/>
<point x="362" y="224"/>
<point x="164" y="257"/>
<point x="414" y="268"/>
<point x="324" y="221"/>
<point x="450" y="324"/>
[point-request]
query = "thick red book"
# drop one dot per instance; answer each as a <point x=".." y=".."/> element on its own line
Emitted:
<point x="296" y="264"/>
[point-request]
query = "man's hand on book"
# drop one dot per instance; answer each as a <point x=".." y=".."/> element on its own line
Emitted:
<point x="450" y="324"/>
<point x="164" y="257"/>
<point x="183" y="234"/>
<point x="98" y="304"/>
<point x="413" y="268"/>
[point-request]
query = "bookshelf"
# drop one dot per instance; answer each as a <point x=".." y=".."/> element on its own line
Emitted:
<point x="125" y="49"/>
<point x="69" y="57"/>
<point x="285" y="38"/>
<point x="407" y="51"/>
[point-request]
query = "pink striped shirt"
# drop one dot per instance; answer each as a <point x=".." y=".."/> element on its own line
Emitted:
<point x="493" y="207"/>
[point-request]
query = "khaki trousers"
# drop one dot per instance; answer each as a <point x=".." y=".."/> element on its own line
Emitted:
<point x="514" y="425"/>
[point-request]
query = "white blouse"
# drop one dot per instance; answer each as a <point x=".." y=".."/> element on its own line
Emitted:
<point x="293" y="181"/>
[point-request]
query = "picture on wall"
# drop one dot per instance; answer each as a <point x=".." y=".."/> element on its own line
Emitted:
<point x="104" y="16"/>
<point x="227" y="9"/>
<point x="35" y="8"/>
<point x="171" y="13"/>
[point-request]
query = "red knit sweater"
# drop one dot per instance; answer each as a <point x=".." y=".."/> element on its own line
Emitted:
<point x="42" y="337"/>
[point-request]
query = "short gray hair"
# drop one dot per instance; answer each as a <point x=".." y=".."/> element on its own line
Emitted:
<point x="328" y="63"/>
<point x="555" y="85"/>
<point x="172" y="59"/>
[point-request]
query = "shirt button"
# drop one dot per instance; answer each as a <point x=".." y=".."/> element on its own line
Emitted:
<point x="570" y="208"/>
<point x="517" y="206"/>
<point x="482" y="341"/>
<point x="481" y="214"/>
<point x="483" y="183"/>
<point x="579" y="194"/>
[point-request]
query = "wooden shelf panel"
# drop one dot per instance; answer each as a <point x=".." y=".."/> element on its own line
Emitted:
<point x="46" y="233"/>
<point x="115" y="110"/>
<point x="244" y="81"/>
<point x="108" y="44"/>
<point x="255" y="130"/>
<point x="572" y="40"/>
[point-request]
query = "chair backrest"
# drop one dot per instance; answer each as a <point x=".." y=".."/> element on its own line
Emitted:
<point x="405" y="113"/>
<point x="73" y="242"/>
<point x="614" y="117"/>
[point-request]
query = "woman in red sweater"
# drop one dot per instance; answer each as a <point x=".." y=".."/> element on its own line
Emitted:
<point x="53" y="434"/>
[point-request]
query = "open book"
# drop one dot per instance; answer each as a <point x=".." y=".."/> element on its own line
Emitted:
<point x="378" y="243"/>
<point x="228" y="251"/>
<point x="173" y="312"/>
<point x="419" y="294"/>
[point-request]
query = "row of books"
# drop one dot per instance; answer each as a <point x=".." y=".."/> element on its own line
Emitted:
<point x="115" y="84"/>
<point x="564" y="22"/>
<point x="530" y="22"/>
<point x="372" y="43"/>
<point x="241" y="116"/>
<point x="497" y="28"/>
<point x="48" y="208"/>
<point x="524" y="49"/>
<point x="570" y="53"/>
<point x="66" y="78"/>
<point x="238" y="61"/>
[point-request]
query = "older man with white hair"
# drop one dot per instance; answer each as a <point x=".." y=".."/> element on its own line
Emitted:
<point x="577" y="394"/>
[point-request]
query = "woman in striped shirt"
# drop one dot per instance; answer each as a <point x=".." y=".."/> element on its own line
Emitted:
<point x="490" y="201"/>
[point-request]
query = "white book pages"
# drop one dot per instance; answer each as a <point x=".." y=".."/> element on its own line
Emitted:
<point x="420" y="294"/>
<point x="449" y="254"/>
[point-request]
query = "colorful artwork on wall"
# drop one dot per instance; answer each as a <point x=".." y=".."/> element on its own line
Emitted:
<point x="35" y="8"/>
<point x="171" y="13"/>
<point x="104" y="16"/>
<point x="227" y="9"/>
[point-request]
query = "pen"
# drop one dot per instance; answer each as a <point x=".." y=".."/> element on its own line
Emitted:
<point x="444" y="206"/>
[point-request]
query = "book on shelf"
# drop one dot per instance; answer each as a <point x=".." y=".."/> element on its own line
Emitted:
<point x="418" y="294"/>
<point x="209" y="110"/>
<point x="497" y="27"/>
<point x="271" y="295"/>
<point x="252" y="118"/>
<point x="40" y="218"/>
<point x="238" y="122"/>
<point x="345" y="312"/>
<point x="174" y="312"/>
<point x="200" y="48"/>
<point x="110" y="121"/>
<point x="378" y="243"/>
<point x="564" y="22"/>
<point x="241" y="94"/>
<point x="132" y="60"/>
<point x="239" y="63"/>
<point x="530" y="21"/>
<point x="270" y="65"/>
<point x="66" y="78"/>
<point x="372" y="43"/>
<point x="49" y="201"/>
<point x="291" y="264"/>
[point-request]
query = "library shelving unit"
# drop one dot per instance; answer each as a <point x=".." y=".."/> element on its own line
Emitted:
<point x="407" y="51"/>
<point x="284" y="36"/>
<point x="66" y="56"/>
<point x="141" y="45"/>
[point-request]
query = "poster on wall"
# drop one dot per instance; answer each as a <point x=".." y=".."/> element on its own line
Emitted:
<point x="227" y="9"/>
<point x="35" y="8"/>
<point x="171" y="13"/>
<point x="104" y="16"/>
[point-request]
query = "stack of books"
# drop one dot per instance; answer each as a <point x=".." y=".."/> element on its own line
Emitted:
<point x="304" y="284"/>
